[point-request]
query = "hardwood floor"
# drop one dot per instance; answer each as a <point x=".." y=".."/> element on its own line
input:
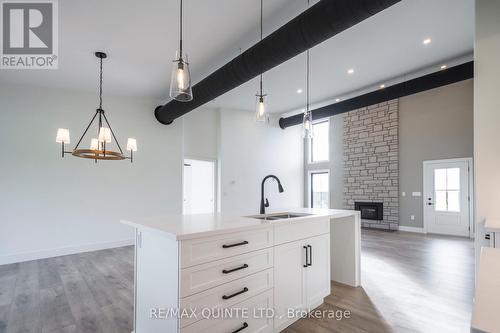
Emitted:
<point x="411" y="283"/>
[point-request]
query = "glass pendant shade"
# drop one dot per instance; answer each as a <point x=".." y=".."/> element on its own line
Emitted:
<point x="307" y="128"/>
<point x="180" y="82"/>
<point x="260" y="109"/>
<point x="62" y="135"/>
<point x="131" y="144"/>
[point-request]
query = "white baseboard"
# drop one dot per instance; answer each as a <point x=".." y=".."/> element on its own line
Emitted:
<point x="411" y="229"/>
<point x="49" y="253"/>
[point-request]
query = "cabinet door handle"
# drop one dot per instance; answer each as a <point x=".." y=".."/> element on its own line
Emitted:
<point x="233" y="245"/>
<point x="310" y="255"/>
<point x="245" y="325"/>
<point x="227" y="271"/>
<point x="244" y="290"/>
<point x="307" y="252"/>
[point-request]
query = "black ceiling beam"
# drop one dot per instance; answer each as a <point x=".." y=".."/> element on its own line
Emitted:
<point x="430" y="81"/>
<point x="320" y="22"/>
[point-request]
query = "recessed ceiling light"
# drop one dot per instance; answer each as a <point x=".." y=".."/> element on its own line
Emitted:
<point x="382" y="86"/>
<point x="337" y="99"/>
<point x="299" y="91"/>
<point x="427" y="41"/>
<point x="444" y="66"/>
<point x="350" y="71"/>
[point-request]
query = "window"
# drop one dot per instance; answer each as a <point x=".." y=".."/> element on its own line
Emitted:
<point x="320" y="194"/>
<point x="319" y="147"/>
<point x="447" y="189"/>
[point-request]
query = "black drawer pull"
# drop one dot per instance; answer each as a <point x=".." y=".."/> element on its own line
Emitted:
<point x="233" y="245"/>
<point x="310" y="255"/>
<point x="245" y="325"/>
<point x="307" y="255"/>
<point x="227" y="271"/>
<point x="235" y="294"/>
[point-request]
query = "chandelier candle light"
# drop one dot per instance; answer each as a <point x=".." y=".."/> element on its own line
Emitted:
<point x="105" y="135"/>
<point x="260" y="108"/>
<point x="180" y="82"/>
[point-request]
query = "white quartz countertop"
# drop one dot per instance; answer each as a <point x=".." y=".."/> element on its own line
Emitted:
<point x="485" y="313"/>
<point x="198" y="225"/>
<point x="492" y="225"/>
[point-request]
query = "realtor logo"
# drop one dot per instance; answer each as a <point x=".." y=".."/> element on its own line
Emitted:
<point x="29" y="34"/>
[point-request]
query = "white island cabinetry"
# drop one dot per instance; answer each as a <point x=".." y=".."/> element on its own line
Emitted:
<point x="227" y="272"/>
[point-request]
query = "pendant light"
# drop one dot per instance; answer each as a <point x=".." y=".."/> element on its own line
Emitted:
<point x="180" y="82"/>
<point x="99" y="147"/>
<point x="260" y="105"/>
<point x="307" y="128"/>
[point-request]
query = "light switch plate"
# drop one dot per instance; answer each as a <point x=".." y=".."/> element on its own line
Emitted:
<point x="412" y="217"/>
<point x="416" y="194"/>
<point x="403" y="194"/>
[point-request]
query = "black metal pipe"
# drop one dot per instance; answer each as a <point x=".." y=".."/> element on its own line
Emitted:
<point x="430" y="81"/>
<point x="320" y="22"/>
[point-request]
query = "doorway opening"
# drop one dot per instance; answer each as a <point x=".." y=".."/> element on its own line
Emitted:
<point x="448" y="197"/>
<point x="198" y="187"/>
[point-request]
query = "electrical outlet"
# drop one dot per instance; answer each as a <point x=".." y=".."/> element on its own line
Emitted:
<point x="412" y="217"/>
<point x="403" y="194"/>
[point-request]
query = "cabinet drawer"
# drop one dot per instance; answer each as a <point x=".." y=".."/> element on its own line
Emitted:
<point x="202" y="277"/>
<point x="250" y="320"/>
<point x="202" y="250"/>
<point x="227" y="294"/>
<point x="300" y="230"/>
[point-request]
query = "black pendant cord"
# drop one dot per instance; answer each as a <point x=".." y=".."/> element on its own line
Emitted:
<point x="307" y="76"/>
<point x="100" y="84"/>
<point x="180" y="33"/>
<point x="101" y="112"/>
<point x="307" y="82"/>
<point x="261" y="11"/>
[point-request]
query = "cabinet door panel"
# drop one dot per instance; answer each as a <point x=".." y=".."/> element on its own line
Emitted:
<point x="289" y="282"/>
<point x="318" y="273"/>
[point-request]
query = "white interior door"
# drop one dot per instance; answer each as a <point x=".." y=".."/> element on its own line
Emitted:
<point x="199" y="187"/>
<point x="446" y="197"/>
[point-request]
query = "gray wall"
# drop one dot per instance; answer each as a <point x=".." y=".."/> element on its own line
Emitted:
<point x="435" y="124"/>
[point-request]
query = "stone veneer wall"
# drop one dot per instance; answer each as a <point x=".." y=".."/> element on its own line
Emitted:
<point x="371" y="169"/>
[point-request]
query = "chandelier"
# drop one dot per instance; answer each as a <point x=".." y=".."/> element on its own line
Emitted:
<point x="99" y="146"/>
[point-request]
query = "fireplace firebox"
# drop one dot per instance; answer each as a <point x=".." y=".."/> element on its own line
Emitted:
<point x="370" y="210"/>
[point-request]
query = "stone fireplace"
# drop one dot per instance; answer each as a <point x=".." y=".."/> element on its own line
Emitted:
<point x="371" y="169"/>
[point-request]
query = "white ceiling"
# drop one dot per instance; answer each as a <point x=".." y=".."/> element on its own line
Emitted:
<point x="141" y="39"/>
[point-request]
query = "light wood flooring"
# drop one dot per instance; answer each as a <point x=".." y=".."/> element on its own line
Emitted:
<point x="411" y="283"/>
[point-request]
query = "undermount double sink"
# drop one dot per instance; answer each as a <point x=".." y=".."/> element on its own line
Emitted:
<point x="279" y="216"/>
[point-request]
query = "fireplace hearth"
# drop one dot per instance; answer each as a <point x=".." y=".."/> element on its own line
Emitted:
<point x="370" y="210"/>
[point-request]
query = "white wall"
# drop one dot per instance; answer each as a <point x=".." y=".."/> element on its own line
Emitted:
<point x="249" y="152"/>
<point x="50" y="205"/>
<point x="200" y="133"/>
<point x="487" y="113"/>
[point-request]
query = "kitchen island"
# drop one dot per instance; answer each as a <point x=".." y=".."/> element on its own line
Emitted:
<point x="240" y="273"/>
